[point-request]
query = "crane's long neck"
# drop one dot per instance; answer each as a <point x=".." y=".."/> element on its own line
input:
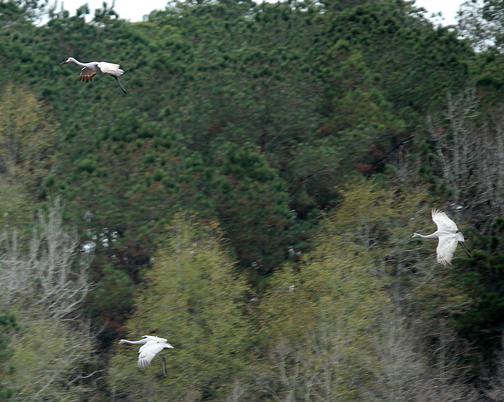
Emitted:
<point x="77" y="62"/>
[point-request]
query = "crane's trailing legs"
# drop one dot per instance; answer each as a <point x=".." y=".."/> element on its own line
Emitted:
<point x="467" y="251"/>
<point x="89" y="70"/>
<point x="119" y="82"/>
<point x="164" y="365"/>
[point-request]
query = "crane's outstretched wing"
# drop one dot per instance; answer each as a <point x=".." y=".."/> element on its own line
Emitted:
<point x="110" y="69"/>
<point x="445" y="249"/>
<point x="147" y="352"/>
<point x="86" y="74"/>
<point x="443" y="223"/>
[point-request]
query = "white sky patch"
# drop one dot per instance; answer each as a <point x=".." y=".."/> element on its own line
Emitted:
<point x="448" y="8"/>
<point x="127" y="9"/>
<point x="135" y="10"/>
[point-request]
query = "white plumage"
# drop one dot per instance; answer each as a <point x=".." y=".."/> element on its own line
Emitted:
<point x="447" y="234"/>
<point x="151" y="346"/>
<point x="110" y="68"/>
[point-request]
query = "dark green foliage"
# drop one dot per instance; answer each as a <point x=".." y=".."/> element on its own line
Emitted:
<point x="7" y="326"/>
<point x="111" y="300"/>
<point x="482" y="278"/>
<point x="252" y="204"/>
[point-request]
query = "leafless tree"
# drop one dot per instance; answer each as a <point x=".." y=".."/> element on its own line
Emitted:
<point x="406" y="369"/>
<point x="495" y="391"/>
<point x="44" y="280"/>
<point x="470" y="157"/>
<point x="402" y="166"/>
<point x="316" y="369"/>
<point x="238" y="392"/>
<point x="491" y="165"/>
<point x="50" y="271"/>
<point x="397" y="366"/>
<point x="456" y="146"/>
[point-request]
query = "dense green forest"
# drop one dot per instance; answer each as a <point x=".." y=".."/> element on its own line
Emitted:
<point x="251" y="199"/>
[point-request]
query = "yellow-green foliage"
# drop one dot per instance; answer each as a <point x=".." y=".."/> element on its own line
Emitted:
<point x="319" y="318"/>
<point x="381" y="221"/>
<point x="15" y="207"/>
<point x="192" y="298"/>
<point x="48" y="360"/>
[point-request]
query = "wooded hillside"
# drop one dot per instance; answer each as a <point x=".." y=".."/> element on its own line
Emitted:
<point x="251" y="199"/>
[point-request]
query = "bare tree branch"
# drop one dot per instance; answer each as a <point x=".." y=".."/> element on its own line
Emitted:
<point x="51" y="273"/>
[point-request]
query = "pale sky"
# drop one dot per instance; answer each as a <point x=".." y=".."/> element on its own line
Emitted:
<point x="449" y="9"/>
<point x="134" y="10"/>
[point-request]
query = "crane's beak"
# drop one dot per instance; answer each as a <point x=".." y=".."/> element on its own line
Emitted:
<point x="63" y="62"/>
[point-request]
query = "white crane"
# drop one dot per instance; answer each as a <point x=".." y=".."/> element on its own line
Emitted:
<point x="448" y="235"/>
<point x="89" y="70"/>
<point x="152" y="345"/>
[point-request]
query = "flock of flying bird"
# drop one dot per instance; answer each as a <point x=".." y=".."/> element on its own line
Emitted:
<point x="447" y="233"/>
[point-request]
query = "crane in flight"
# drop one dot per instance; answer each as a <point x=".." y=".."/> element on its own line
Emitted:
<point x="448" y="235"/>
<point x="89" y="70"/>
<point x="151" y="346"/>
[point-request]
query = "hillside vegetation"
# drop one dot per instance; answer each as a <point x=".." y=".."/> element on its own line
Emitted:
<point x="251" y="200"/>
